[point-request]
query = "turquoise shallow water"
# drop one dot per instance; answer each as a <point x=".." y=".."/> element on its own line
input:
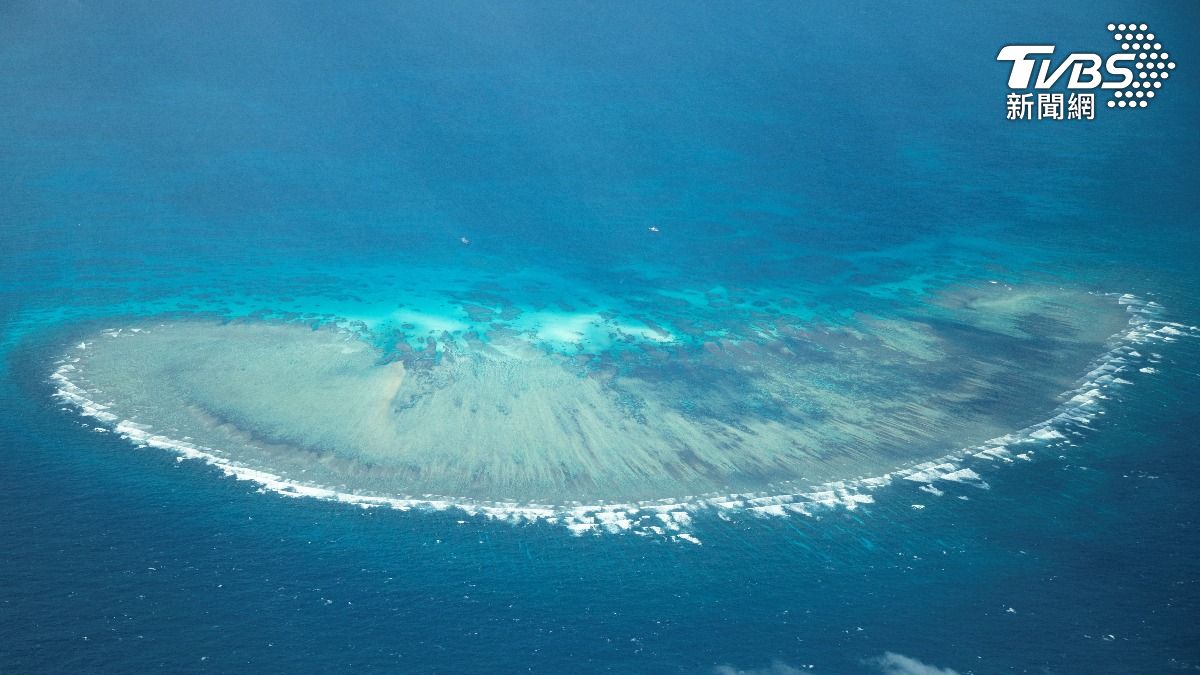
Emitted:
<point x="321" y="166"/>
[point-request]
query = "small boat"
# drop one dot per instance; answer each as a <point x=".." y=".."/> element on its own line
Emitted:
<point x="465" y="241"/>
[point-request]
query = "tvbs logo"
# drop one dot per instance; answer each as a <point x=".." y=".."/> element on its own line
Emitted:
<point x="1133" y="76"/>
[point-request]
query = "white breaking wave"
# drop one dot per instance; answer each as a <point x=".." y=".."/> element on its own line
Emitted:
<point x="672" y="518"/>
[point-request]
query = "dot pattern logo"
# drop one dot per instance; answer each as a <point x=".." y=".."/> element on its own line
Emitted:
<point x="1153" y="65"/>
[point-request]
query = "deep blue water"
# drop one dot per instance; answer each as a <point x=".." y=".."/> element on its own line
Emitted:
<point x="220" y="159"/>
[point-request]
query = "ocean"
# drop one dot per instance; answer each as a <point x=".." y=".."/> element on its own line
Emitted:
<point x="488" y="337"/>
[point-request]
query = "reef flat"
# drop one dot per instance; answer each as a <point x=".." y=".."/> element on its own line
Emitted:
<point x="503" y="415"/>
